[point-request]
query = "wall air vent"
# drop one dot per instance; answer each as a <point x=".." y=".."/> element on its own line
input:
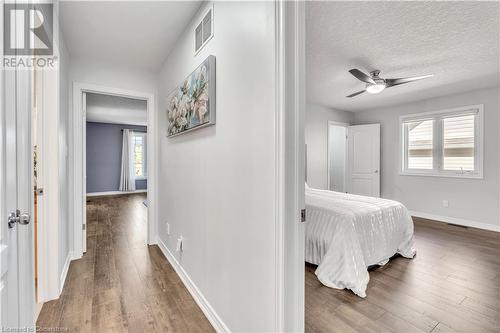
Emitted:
<point x="204" y="31"/>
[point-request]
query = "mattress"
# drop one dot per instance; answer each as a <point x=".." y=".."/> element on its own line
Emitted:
<point x="346" y="233"/>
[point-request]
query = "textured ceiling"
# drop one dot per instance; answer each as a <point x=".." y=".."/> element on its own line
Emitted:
<point x="129" y="33"/>
<point x="458" y="42"/>
<point x="116" y="110"/>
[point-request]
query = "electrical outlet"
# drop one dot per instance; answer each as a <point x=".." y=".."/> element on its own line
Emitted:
<point x="168" y="229"/>
<point x="445" y="203"/>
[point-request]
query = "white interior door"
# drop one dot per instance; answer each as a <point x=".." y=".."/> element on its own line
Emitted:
<point x="9" y="287"/>
<point x="16" y="238"/>
<point x="363" y="160"/>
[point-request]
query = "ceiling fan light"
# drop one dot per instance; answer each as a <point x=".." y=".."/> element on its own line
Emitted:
<point x="375" y="88"/>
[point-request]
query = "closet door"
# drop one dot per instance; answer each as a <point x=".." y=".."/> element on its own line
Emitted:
<point x="363" y="160"/>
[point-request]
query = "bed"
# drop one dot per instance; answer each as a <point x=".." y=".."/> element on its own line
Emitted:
<point x="348" y="233"/>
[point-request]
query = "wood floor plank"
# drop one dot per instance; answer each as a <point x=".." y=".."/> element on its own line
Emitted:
<point x="121" y="284"/>
<point x="396" y="324"/>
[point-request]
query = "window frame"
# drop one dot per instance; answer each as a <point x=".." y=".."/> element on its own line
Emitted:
<point x="438" y="140"/>
<point x="144" y="159"/>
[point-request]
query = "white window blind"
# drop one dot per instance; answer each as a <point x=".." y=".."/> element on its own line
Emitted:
<point x="139" y="142"/>
<point x="420" y="144"/>
<point x="458" y="136"/>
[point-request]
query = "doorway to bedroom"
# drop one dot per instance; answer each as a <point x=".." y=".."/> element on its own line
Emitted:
<point x="395" y="155"/>
<point x="114" y="138"/>
<point x="116" y="170"/>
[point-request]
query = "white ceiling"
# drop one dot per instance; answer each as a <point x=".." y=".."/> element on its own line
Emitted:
<point x="458" y="42"/>
<point x="131" y="33"/>
<point x="116" y="110"/>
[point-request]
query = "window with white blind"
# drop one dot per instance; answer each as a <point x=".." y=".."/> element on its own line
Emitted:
<point x="444" y="143"/>
<point x="139" y="156"/>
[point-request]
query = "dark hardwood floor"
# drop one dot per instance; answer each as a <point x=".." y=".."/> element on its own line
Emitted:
<point x="452" y="285"/>
<point x="121" y="284"/>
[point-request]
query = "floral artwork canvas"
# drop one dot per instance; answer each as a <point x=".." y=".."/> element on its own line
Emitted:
<point x="192" y="104"/>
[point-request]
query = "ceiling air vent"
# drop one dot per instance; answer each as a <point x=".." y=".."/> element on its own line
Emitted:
<point x="204" y="31"/>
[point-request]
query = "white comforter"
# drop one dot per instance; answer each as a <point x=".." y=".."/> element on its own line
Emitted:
<point x="347" y="233"/>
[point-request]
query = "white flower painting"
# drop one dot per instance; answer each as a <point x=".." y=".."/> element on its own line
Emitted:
<point x="192" y="104"/>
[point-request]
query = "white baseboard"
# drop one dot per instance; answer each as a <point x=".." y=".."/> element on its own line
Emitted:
<point x="455" y="220"/>
<point x="99" y="194"/>
<point x="64" y="272"/>
<point x="202" y="302"/>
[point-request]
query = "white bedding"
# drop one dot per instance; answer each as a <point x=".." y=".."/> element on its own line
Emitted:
<point x="347" y="233"/>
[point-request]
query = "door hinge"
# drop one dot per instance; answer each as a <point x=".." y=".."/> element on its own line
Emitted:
<point x="303" y="215"/>
<point x="83" y="226"/>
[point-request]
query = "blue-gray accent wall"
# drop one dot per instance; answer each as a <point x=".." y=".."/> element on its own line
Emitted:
<point x="104" y="154"/>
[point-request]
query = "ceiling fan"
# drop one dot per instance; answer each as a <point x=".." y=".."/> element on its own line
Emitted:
<point x="375" y="84"/>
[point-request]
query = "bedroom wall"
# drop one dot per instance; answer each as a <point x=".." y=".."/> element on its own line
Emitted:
<point x="217" y="184"/>
<point x="104" y="154"/>
<point x="316" y="136"/>
<point x="472" y="201"/>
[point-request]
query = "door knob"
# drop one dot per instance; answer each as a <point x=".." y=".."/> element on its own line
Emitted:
<point x="376" y="171"/>
<point x="17" y="217"/>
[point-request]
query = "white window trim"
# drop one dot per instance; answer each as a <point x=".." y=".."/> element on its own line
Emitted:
<point x="145" y="157"/>
<point x="437" y="140"/>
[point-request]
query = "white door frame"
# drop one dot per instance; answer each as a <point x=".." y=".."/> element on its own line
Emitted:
<point x="290" y="165"/>
<point x="335" y="123"/>
<point x="79" y="159"/>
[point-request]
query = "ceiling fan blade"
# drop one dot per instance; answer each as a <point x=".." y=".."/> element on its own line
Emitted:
<point x="395" y="82"/>
<point x="356" y="93"/>
<point x="361" y="76"/>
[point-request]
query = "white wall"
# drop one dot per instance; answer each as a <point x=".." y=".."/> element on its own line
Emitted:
<point x="53" y="229"/>
<point x="475" y="200"/>
<point x="116" y="110"/>
<point x="316" y="128"/>
<point x="111" y="75"/>
<point x="217" y="184"/>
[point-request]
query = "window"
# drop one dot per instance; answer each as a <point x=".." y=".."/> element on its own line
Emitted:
<point x="420" y="144"/>
<point x="445" y="143"/>
<point x="139" y="156"/>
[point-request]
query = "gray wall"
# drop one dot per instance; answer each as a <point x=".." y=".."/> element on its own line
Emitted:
<point x="104" y="153"/>
<point x="316" y="136"/>
<point x="474" y="200"/>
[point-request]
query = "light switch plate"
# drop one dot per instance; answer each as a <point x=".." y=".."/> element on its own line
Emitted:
<point x="179" y="244"/>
